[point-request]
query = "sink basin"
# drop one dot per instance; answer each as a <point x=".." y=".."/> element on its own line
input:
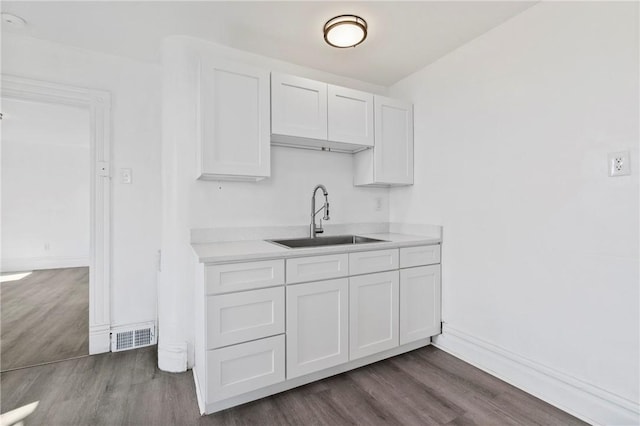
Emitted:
<point x="336" y="240"/>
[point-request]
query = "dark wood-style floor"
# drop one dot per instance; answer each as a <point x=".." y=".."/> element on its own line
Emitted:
<point x="45" y="317"/>
<point x="423" y="387"/>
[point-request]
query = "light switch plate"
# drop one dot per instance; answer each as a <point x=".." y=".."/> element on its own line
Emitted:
<point x="619" y="164"/>
<point x="126" y="176"/>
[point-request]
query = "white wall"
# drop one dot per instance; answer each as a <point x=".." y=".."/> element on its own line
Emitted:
<point x="136" y="132"/>
<point x="283" y="199"/>
<point x="512" y="132"/>
<point x="45" y="186"/>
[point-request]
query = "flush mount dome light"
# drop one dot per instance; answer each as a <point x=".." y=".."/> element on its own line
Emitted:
<point x="13" y="21"/>
<point x="345" y="31"/>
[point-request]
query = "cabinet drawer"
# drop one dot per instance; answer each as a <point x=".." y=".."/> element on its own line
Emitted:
<point x="239" y="317"/>
<point x="243" y="368"/>
<point x="418" y="256"/>
<point x="373" y="261"/>
<point x="244" y="276"/>
<point x="317" y="268"/>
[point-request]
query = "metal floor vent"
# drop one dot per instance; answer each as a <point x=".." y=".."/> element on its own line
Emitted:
<point x="132" y="338"/>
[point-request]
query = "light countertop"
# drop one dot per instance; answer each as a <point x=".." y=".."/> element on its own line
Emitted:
<point x="238" y="251"/>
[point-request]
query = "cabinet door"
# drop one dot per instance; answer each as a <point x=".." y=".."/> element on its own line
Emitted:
<point x="233" y="121"/>
<point x="317" y="326"/>
<point x="419" y="303"/>
<point x="393" y="152"/>
<point x="350" y="116"/>
<point x="299" y="107"/>
<point x="373" y="313"/>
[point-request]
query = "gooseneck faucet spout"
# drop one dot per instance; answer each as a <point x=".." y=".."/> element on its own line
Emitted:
<point x="313" y="228"/>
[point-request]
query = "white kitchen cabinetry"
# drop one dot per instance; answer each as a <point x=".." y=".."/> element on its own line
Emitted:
<point x="350" y="116"/>
<point x="419" y="303"/>
<point x="419" y="256"/>
<point x="309" y="113"/>
<point x="390" y="163"/>
<point x="316" y="268"/>
<point x="317" y="326"/>
<point x="267" y="325"/>
<point x="366" y="262"/>
<point x="299" y="107"/>
<point x="233" y="122"/>
<point x="246" y="367"/>
<point x="244" y="276"/>
<point x="248" y="315"/>
<point x="373" y="313"/>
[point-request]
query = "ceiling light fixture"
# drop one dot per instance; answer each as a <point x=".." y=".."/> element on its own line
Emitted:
<point x="345" y="31"/>
<point x="13" y="21"/>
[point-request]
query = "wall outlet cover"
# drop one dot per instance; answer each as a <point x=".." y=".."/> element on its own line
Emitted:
<point x="619" y="164"/>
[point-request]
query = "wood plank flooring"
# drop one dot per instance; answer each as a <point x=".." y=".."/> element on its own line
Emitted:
<point x="423" y="387"/>
<point x="45" y="317"/>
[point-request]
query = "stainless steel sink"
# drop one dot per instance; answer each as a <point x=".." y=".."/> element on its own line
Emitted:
<point x="336" y="240"/>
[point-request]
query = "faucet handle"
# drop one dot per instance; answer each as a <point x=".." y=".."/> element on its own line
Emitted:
<point x="319" y="229"/>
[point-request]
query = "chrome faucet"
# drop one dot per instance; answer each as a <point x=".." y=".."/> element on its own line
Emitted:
<point x="313" y="229"/>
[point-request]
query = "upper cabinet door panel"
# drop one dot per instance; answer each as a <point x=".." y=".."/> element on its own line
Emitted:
<point x="393" y="154"/>
<point x="299" y="107"/>
<point x="350" y="116"/>
<point x="233" y="121"/>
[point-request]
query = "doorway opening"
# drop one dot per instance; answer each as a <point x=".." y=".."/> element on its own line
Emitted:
<point x="54" y="279"/>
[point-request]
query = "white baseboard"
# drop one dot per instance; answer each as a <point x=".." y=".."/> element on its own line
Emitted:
<point x="37" y="263"/>
<point x="99" y="339"/>
<point x="583" y="400"/>
<point x="172" y="357"/>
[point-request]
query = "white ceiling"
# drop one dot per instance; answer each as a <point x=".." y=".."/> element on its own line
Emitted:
<point x="403" y="36"/>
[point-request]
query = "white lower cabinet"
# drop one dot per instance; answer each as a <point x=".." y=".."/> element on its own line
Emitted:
<point x="238" y="369"/>
<point x="317" y="326"/>
<point x="419" y="303"/>
<point x="271" y="325"/>
<point x="373" y="313"/>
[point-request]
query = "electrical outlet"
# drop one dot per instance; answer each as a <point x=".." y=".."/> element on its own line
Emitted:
<point x="126" y="176"/>
<point x="619" y="164"/>
<point x="378" y="204"/>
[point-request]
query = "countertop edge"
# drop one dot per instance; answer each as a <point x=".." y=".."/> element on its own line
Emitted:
<point x="285" y="253"/>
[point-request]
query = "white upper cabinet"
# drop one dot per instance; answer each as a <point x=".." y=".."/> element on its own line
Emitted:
<point x="233" y="121"/>
<point x="299" y="107"/>
<point x="350" y="116"/>
<point x="390" y="163"/>
<point x="309" y="113"/>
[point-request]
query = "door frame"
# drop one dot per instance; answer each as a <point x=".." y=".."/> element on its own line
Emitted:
<point x="98" y="102"/>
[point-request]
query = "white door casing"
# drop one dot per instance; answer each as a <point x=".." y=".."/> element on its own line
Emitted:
<point x="98" y="102"/>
